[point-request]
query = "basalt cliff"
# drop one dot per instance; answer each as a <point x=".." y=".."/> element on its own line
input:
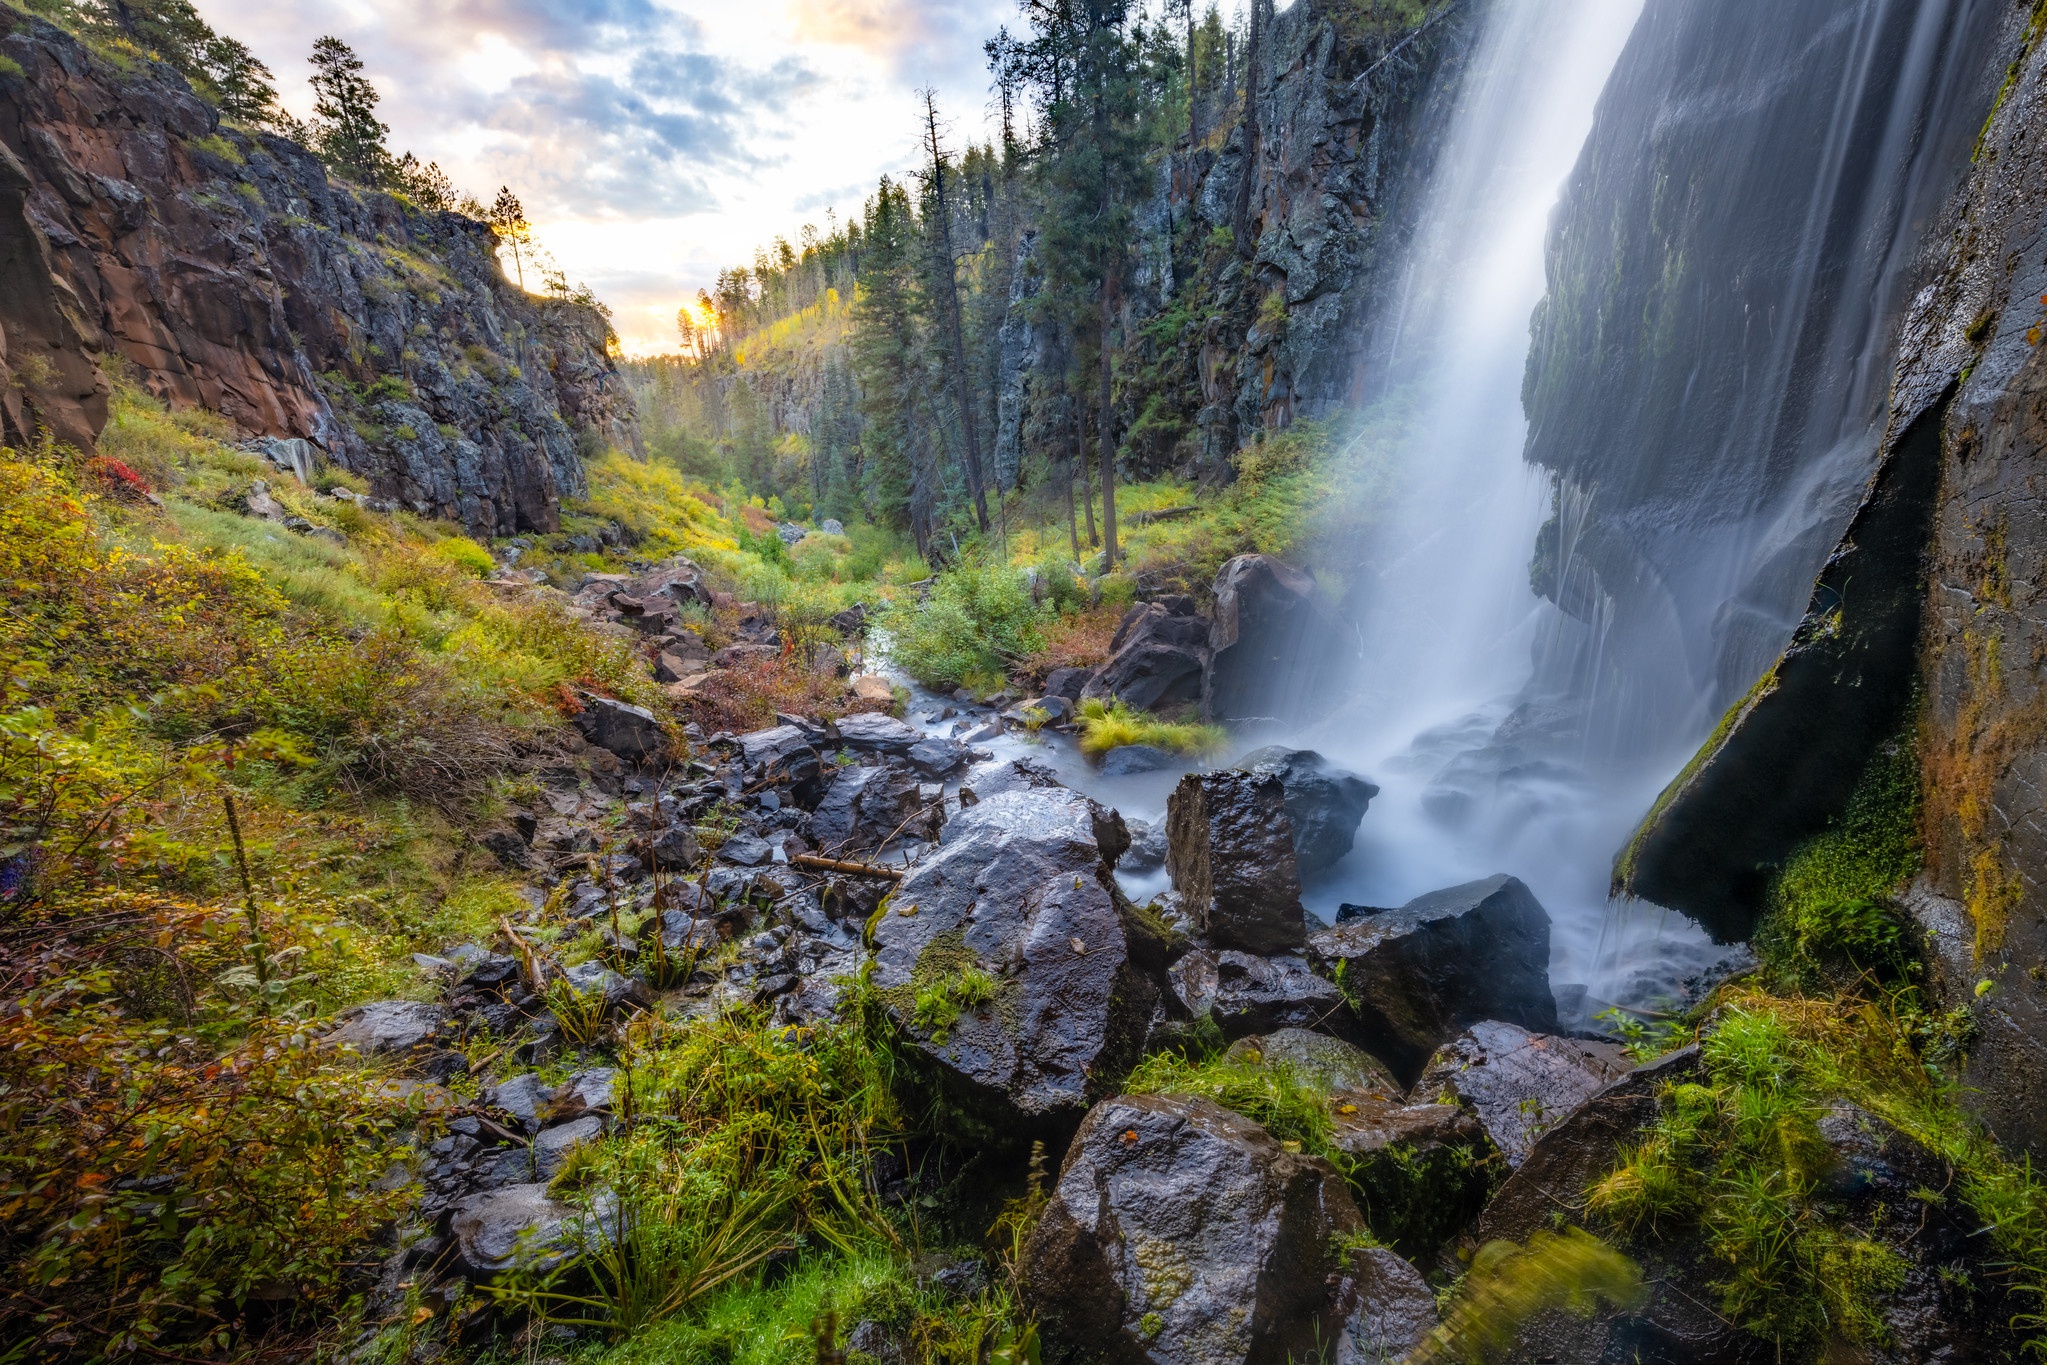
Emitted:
<point x="224" y="269"/>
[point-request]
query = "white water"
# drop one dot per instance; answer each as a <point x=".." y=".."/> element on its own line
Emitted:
<point x="1448" y="621"/>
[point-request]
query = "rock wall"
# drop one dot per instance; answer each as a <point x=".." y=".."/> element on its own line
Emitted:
<point x="1217" y="345"/>
<point x="1969" y="388"/>
<point x="230" y="273"/>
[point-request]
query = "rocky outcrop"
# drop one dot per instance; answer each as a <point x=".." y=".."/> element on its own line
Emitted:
<point x="233" y="275"/>
<point x="1324" y="802"/>
<point x="1419" y="975"/>
<point x="1023" y="982"/>
<point x="1230" y="852"/>
<point x="1180" y="1233"/>
<point x="1279" y="651"/>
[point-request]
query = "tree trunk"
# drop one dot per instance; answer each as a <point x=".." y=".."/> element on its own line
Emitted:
<point x="1087" y="485"/>
<point x="946" y="268"/>
<point x="1193" y="93"/>
<point x="1240" y="220"/>
<point x="1105" y="429"/>
<point x="1072" y="451"/>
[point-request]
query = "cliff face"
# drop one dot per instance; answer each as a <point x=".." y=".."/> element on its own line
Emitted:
<point x="229" y="272"/>
<point x="1960" y="468"/>
<point x="1216" y="346"/>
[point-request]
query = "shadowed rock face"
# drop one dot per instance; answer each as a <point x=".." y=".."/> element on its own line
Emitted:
<point x="1421" y="974"/>
<point x="1020" y="899"/>
<point x="230" y="272"/>
<point x="1324" y="802"/>
<point x="1278" y="649"/>
<point x="1519" y="1083"/>
<point x="1158" y="658"/>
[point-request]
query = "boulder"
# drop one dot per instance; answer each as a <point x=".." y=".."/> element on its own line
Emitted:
<point x="1418" y="976"/>
<point x="674" y="847"/>
<point x="1000" y="775"/>
<point x="388" y="1026"/>
<point x="629" y="731"/>
<point x="525" y="1097"/>
<point x="1158" y="657"/>
<point x="1021" y="980"/>
<point x="551" y="1148"/>
<point x="1325" y="803"/>
<point x="589" y="978"/>
<point x="871" y="689"/>
<point x="865" y="807"/>
<point x="1147" y="847"/>
<point x="1126" y="760"/>
<point x="1391" y="1308"/>
<point x="1329" y="1062"/>
<point x="1180" y="1233"/>
<point x="783" y="756"/>
<point x="937" y="758"/>
<point x="587" y="1091"/>
<point x="520" y="1225"/>
<point x="674" y="666"/>
<point x="1519" y="1084"/>
<point x="1278" y="650"/>
<point x="1068" y="683"/>
<point x="871" y="732"/>
<point x="1255" y="995"/>
<point x="1231" y="858"/>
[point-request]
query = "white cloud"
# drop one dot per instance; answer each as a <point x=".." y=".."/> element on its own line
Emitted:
<point x="653" y="142"/>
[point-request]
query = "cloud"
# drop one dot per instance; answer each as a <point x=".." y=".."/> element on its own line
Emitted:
<point x="922" y="40"/>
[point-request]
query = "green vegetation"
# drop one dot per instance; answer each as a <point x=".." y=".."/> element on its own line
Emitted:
<point x="1508" y="1285"/>
<point x="976" y="623"/>
<point x="1110" y="725"/>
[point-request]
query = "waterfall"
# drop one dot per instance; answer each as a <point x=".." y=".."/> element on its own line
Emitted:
<point x="1710" y="208"/>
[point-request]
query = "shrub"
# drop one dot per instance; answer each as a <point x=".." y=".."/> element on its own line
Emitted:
<point x="976" y="623"/>
<point x="464" y="554"/>
<point x="1106" y="725"/>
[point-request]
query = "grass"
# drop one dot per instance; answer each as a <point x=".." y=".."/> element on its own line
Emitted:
<point x="1106" y="725"/>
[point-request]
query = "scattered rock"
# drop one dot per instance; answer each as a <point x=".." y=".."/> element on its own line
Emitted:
<point x="783" y="756"/>
<point x="1420" y="975"/>
<point x="1181" y="1232"/>
<point x="524" y="1096"/>
<point x="629" y="731"/>
<point x="673" y="847"/>
<point x="1325" y="803"/>
<point x="1519" y="1084"/>
<point x="865" y="807"/>
<point x="870" y="732"/>
<point x="1391" y="1309"/>
<point x="1147" y="847"/>
<point x="388" y="1026"/>
<point x="519" y="1224"/>
<point x="1158" y="657"/>
<point x="871" y="688"/>
<point x="551" y="1148"/>
<point x="591" y="977"/>
<point x="937" y="758"/>
<point x="1069" y="683"/>
<point x="1279" y="651"/>
<point x="1231" y="858"/>
<point x="1020" y="898"/>
<point x="1126" y="760"/>
<point x="1329" y="1062"/>
<point x="1255" y="995"/>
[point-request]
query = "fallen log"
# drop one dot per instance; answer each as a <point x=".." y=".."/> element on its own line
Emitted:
<point x="811" y="860"/>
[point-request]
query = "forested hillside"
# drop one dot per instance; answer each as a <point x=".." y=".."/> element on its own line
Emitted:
<point x="1145" y="274"/>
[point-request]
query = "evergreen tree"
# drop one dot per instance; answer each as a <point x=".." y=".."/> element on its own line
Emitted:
<point x="508" y="220"/>
<point x="220" y="69"/>
<point x="346" y="133"/>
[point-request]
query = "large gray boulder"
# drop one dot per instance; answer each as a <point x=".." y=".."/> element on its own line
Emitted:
<point x="1391" y="1309"/>
<point x="1021" y="979"/>
<point x="1278" y="650"/>
<point x="1247" y="995"/>
<point x="1157" y="657"/>
<point x="1519" y="1084"/>
<point x="1418" y="976"/>
<point x="1183" y="1234"/>
<point x="1230" y="853"/>
<point x="1325" y="802"/>
<point x="870" y="732"/>
<point x="1325" y="1061"/>
<point x="631" y="732"/>
<point x="865" y="807"/>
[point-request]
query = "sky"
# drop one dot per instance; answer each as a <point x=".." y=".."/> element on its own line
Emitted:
<point x="652" y="142"/>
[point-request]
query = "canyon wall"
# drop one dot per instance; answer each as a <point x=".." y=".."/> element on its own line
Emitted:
<point x="224" y="269"/>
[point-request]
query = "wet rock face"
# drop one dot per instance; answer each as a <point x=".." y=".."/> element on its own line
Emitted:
<point x="233" y="275"/>
<point x="1519" y="1084"/>
<point x="389" y="1026"/>
<point x="1021" y="981"/>
<point x="1157" y="657"/>
<point x="1247" y="995"/>
<point x="1231" y="858"/>
<point x="519" y="1225"/>
<point x="631" y="732"/>
<point x="1419" y="975"/>
<point x="1324" y="802"/>
<point x="865" y="807"/>
<point x="1279" y="651"/>
<point x="1183" y="1234"/>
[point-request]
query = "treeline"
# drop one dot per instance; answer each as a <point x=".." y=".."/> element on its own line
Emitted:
<point x="862" y="370"/>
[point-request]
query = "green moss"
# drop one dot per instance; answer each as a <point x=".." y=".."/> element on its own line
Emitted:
<point x="1831" y="914"/>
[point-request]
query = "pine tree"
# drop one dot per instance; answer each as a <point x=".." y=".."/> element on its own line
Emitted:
<point x="345" y="129"/>
<point x="508" y="220"/>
